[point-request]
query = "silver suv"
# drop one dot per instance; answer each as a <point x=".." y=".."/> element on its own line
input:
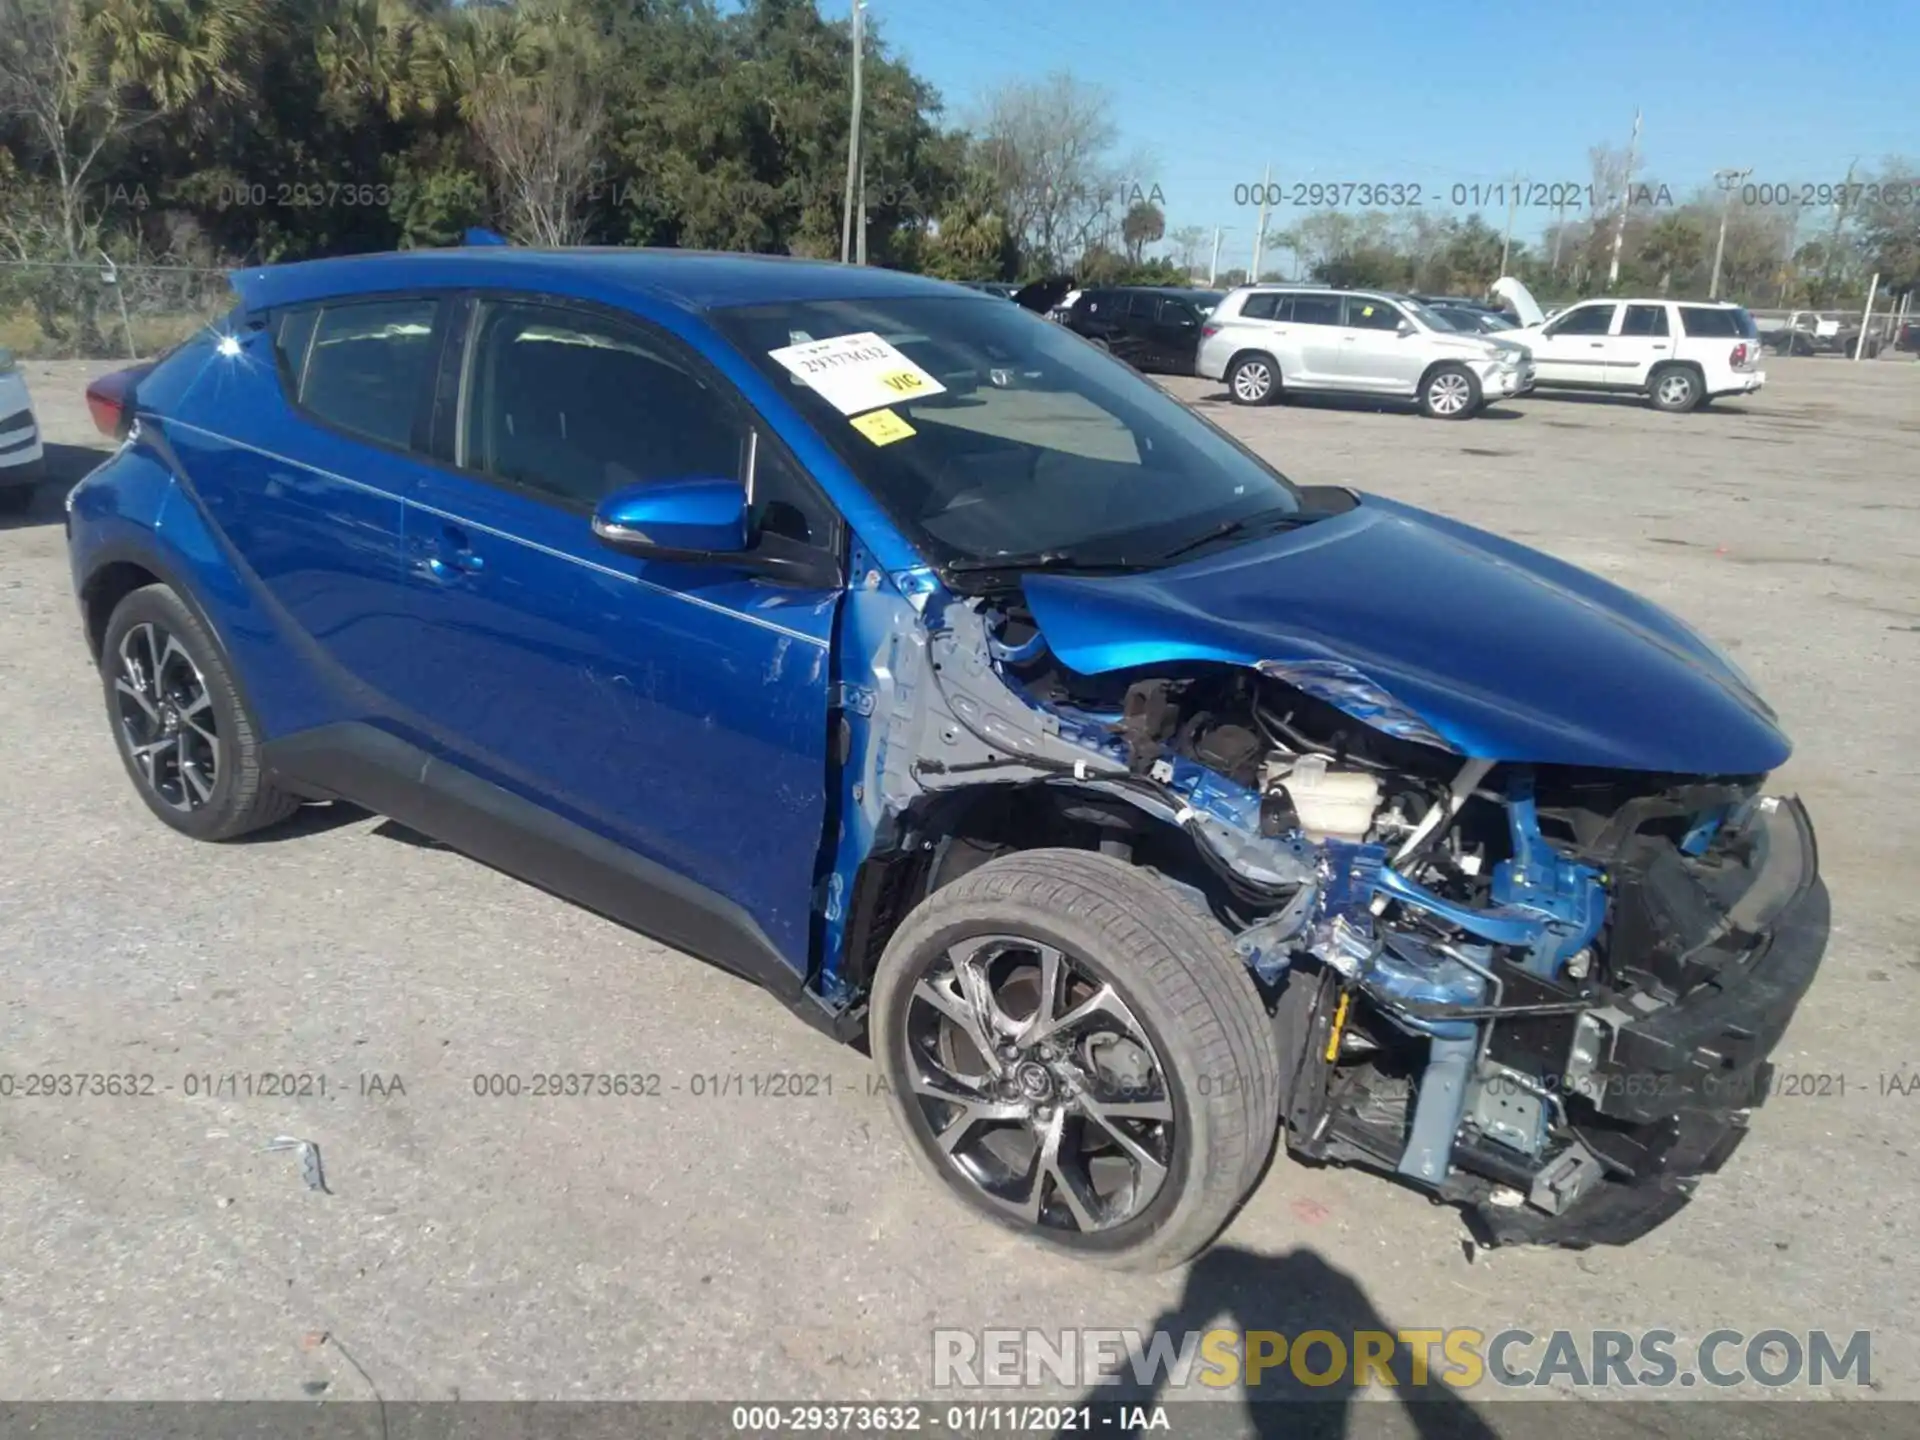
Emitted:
<point x="1265" y="340"/>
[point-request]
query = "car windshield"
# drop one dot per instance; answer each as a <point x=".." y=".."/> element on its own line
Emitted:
<point x="987" y="432"/>
<point x="1431" y="318"/>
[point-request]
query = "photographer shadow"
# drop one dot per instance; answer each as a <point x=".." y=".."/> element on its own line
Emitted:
<point x="1292" y="1294"/>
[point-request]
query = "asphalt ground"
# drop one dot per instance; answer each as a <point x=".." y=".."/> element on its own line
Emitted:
<point x="742" y="1245"/>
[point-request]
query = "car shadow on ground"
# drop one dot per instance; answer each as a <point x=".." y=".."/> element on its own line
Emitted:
<point x="316" y="818"/>
<point x="65" y="465"/>
<point x="1727" y="405"/>
<point x="1290" y="1294"/>
<point x="1366" y="404"/>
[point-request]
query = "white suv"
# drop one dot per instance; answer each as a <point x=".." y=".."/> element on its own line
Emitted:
<point x="1678" y="353"/>
<point x="1266" y="340"/>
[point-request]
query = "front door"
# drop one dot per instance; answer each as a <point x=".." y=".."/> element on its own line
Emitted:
<point x="677" y="709"/>
<point x="1574" y="349"/>
<point x="1375" y="355"/>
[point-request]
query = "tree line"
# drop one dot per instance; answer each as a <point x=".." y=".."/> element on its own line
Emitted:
<point x="214" y="132"/>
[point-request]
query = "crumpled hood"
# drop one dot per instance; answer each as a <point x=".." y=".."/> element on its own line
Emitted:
<point x="1504" y="652"/>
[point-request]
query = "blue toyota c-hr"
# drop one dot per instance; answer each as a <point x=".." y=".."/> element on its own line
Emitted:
<point x="885" y="644"/>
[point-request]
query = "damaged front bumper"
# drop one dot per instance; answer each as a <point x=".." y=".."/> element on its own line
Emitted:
<point x="1644" y="1097"/>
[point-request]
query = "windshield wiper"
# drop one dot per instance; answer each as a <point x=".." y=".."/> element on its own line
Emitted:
<point x="1035" y="560"/>
<point x="1264" y="520"/>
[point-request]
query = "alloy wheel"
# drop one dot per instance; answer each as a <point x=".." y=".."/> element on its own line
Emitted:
<point x="1251" y="381"/>
<point x="1449" y="394"/>
<point x="1675" y="388"/>
<point x="166" y="717"/>
<point x="1039" y="1086"/>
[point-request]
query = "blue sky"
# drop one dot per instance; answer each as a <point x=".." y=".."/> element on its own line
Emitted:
<point x="1447" y="94"/>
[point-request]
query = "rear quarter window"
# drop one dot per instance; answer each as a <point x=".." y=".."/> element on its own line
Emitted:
<point x="1712" y="322"/>
<point x="360" y="365"/>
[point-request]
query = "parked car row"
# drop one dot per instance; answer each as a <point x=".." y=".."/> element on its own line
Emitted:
<point x="1449" y="355"/>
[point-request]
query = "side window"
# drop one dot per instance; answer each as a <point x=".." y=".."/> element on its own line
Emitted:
<point x="1142" y="304"/>
<point x="365" y="365"/>
<point x="572" y="408"/>
<point x="1584" y="320"/>
<point x="1316" y="309"/>
<point x="1177" y="312"/>
<point x="1645" y="320"/>
<point x="1365" y="314"/>
<point x="1259" y="307"/>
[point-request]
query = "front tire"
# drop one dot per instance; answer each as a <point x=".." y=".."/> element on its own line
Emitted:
<point x="183" y="732"/>
<point x="1450" y="392"/>
<point x="1075" y="1053"/>
<point x="1253" y="380"/>
<point x="1676" y="390"/>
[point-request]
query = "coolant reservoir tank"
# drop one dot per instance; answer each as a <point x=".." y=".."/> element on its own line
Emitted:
<point x="1332" y="804"/>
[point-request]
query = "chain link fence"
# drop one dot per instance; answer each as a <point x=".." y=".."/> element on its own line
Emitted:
<point x="103" y="310"/>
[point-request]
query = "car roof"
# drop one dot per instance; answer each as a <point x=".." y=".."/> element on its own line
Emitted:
<point x="1653" y="300"/>
<point x="688" y="279"/>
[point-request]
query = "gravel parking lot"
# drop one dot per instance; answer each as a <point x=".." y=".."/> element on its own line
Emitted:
<point x="742" y="1245"/>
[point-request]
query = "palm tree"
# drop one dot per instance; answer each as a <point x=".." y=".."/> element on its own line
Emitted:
<point x="177" y="51"/>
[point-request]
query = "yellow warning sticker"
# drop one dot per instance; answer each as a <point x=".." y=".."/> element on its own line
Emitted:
<point x="882" y="427"/>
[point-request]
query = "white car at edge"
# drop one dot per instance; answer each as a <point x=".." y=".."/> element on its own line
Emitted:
<point x="22" y="458"/>
<point x="1678" y="353"/>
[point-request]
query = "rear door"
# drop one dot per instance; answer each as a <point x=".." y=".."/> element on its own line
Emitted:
<point x="1177" y="335"/>
<point x="1574" y="347"/>
<point x="1316" y="327"/>
<point x="678" y="710"/>
<point x="1645" y="339"/>
<point x="302" y="448"/>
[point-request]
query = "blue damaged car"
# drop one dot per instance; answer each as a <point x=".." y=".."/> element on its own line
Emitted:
<point x="878" y="641"/>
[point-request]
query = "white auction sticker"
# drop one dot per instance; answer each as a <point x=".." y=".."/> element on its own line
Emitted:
<point x="857" y="372"/>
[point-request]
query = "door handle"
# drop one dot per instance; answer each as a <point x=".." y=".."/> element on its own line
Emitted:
<point x="1659" y="347"/>
<point x="452" y="556"/>
<point x="1595" y="344"/>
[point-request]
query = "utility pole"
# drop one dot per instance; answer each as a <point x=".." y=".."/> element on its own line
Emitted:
<point x="1626" y="199"/>
<point x="1506" y="245"/>
<point x="1213" y="270"/>
<point x="1260" y="235"/>
<point x="1559" y="233"/>
<point x="853" y="140"/>
<point x="1729" y="181"/>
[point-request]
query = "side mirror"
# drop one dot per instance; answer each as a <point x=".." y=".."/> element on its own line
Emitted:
<point x="698" y="518"/>
<point x="1405" y="327"/>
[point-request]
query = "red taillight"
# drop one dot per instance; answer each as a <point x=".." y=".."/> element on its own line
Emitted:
<point x="106" y="414"/>
<point x="1739" y="355"/>
<point x="1207" y="332"/>
<point x="110" y="400"/>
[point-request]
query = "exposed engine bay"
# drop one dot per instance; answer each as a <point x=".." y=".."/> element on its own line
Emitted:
<point x="1541" y="992"/>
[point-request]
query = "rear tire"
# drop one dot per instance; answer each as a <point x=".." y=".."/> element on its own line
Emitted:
<point x="1165" y="1087"/>
<point x="183" y="732"/>
<point x="1253" y="380"/>
<point x="1675" y="389"/>
<point x="1450" y="392"/>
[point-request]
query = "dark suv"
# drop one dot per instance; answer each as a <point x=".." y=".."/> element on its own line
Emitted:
<point x="1150" y="328"/>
